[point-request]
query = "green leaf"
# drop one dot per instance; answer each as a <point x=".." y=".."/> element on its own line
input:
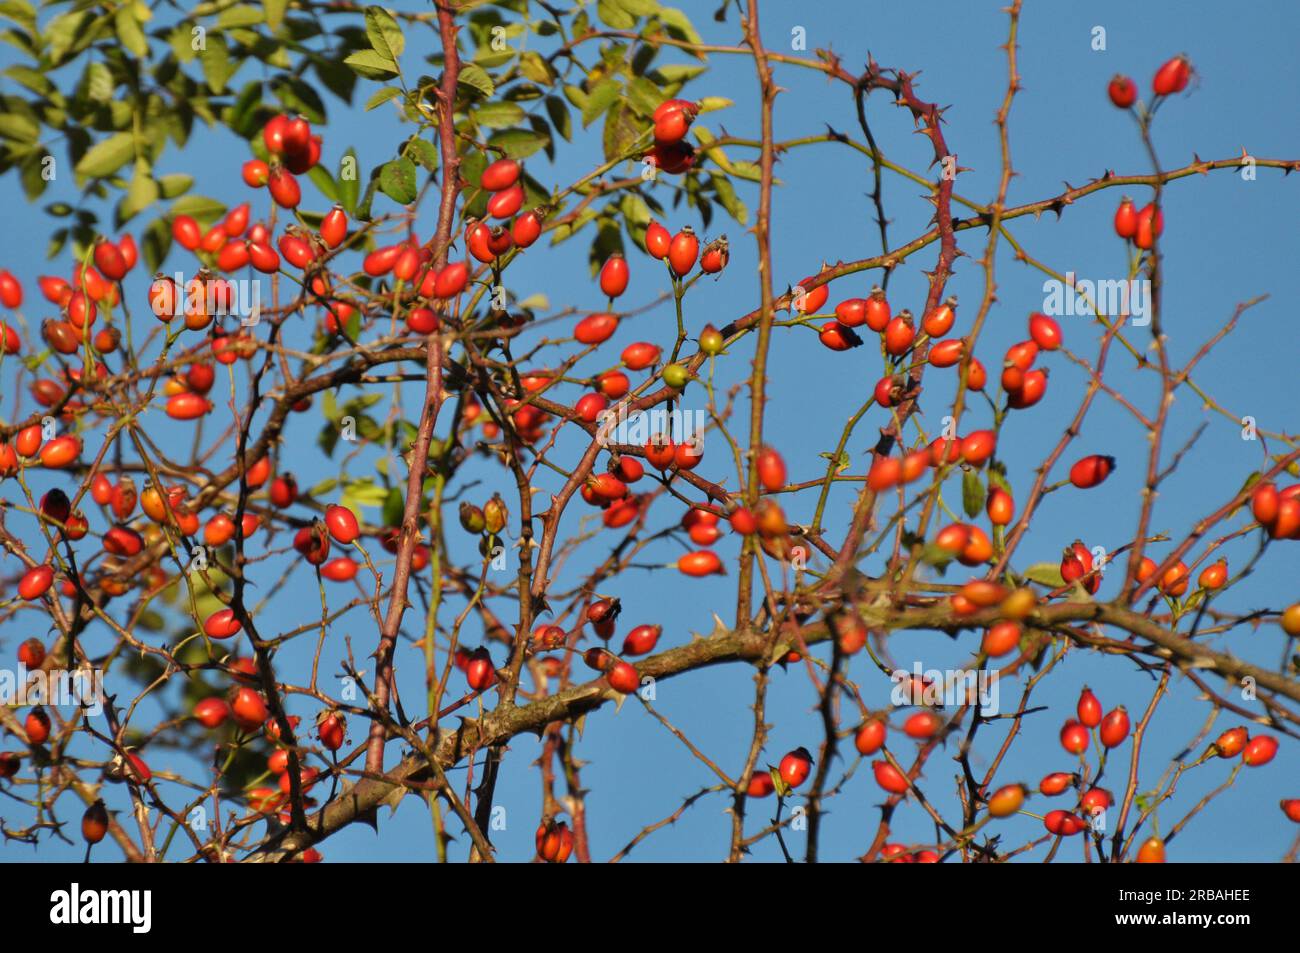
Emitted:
<point x="34" y="178"/>
<point x="675" y="73"/>
<point x="19" y="128"/>
<point x="621" y="130"/>
<point x="65" y="31"/>
<point x="349" y="181"/>
<point x="519" y="143"/>
<point x="606" y="93"/>
<point x="364" y="492"/>
<point x="327" y="439"/>
<point x="397" y="180"/>
<point x="382" y="95"/>
<point x="384" y="33"/>
<point x="394" y="507"/>
<point x="99" y="82"/>
<point x="679" y="25"/>
<point x="741" y="170"/>
<point x="972" y="493"/>
<point x="476" y="77"/>
<point x="107" y="156"/>
<point x="499" y="115"/>
<point x="324" y="486"/>
<point x="532" y="66"/>
<point x="129" y="32"/>
<point x="142" y="193"/>
<point x="644" y="96"/>
<point x="640" y="8"/>
<point x="422" y="151"/>
<point x="298" y="96"/>
<point x="730" y="201"/>
<point x="324" y="181"/>
<point x="561" y="120"/>
<point x="239" y="15"/>
<point x="274" y="13"/>
<point x="371" y="64"/>
<point x="33" y="79"/>
<point x="175" y="184"/>
<point x="217" y="67"/>
<point x="613" y="15"/>
<point x="1048" y="574"/>
<point x="200" y="207"/>
<point x="20" y="11"/>
<point x="156" y="243"/>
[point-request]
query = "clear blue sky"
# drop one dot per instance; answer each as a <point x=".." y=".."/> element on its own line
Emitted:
<point x="1226" y="241"/>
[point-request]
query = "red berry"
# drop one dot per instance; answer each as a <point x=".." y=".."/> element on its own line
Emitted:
<point x="623" y="678"/>
<point x="1063" y="823"/>
<point x="332" y="728"/>
<point x="1001" y="638"/>
<point x="37" y="726"/>
<point x="526" y="229"/>
<point x="657" y="240"/>
<point x="614" y="276"/>
<point x="222" y="624"/>
<point x="185" y="231"/>
<point x="1126" y="218"/>
<point x="683" y="251"/>
<point x="1122" y="91"/>
<point x="1088" y="709"/>
<point x="342" y="524"/>
<point x="1056" y="783"/>
<point x="1045" y="332"/>
<point x="642" y="639"/>
<point x="255" y="173"/>
<point x="500" y="175"/>
<point x="1172" y="77"/>
<point x="771" y="470"/>
<point x="1150" y="224"/>
<point x="507" y="203"/>
<point x="36" y="582"/>
<point x="1091" y="470"/>
<point x="334" y="227"/>
<point x="1260" y="751"/>
<point x="808" y="300"/>
<point x="595" y="328"/>
<point x="701" y="563"/>
<point x="284" y="188"/>
<point x="939" y="321"/>
<point x="1074" y="737"/>
<point x="889" y="777"/>
<point x="94" y="823"/>
<point x="1007" y="800"/>
<point x="870" y="736"/>
<point x="211" y="712"/>
<point x="1114" y="728"/>
<point x="795" y="767"/>
<point x="480" y="672"/>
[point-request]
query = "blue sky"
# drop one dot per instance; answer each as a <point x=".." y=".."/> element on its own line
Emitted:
<point x="1226" y="240"/>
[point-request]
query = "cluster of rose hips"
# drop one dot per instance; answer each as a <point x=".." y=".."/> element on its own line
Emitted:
<point x="293" y="151"/>
<point x="1142" y="227"/>
<point x="672" y="120"/>
<point x="1170" y="79"/>
<point x="554" y="841"/>
<point x="79" y="301"/>
<point x="1278" y="511"/>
